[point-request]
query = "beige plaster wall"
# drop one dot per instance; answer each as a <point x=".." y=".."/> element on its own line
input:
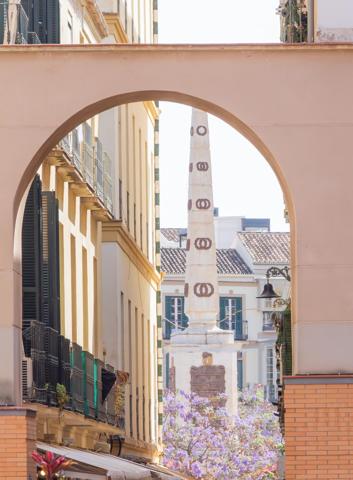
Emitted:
<point x="269" y="93"/>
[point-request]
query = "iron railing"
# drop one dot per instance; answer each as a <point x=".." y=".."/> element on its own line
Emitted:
<point x="241" y="330"/>
<point x="92" y="163"/>
<point x="13" y="23"/>
<point x="107" y="182"/>
<point x="50" y="360"/>
<point x="32" y="38"/>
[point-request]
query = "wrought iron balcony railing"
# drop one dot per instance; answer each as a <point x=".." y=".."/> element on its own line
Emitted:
<point x="32" y="38"/>
<point x="50" y="360"/>
<point x="13" y="23"/>
<point x="92" y="162"/>
<point x="241" y="330"/>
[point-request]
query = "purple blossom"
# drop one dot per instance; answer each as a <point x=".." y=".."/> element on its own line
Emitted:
<point x="202" y="441"/>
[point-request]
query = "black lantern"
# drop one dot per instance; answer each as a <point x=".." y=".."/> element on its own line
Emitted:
<point x="268" y="291"/>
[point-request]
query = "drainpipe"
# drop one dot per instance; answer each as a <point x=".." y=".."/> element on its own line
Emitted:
<point x="311" y="16"/>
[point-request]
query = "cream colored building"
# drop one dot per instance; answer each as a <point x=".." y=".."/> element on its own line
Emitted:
<point x="97" y="259"/>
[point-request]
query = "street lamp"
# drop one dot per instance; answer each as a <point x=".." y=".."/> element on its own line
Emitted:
<point x="268" y="291"/>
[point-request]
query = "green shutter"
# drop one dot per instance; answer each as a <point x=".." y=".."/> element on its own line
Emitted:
<point x="168" y="317"/>
<point x="240" y="375"/>
<point x="222" y="312"/>
<point x="238" y="318"/>
<point x="167" y="370"/>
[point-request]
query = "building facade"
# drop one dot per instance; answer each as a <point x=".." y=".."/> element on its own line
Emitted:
<point x="89" y="257"/>
<point x="316" y="21"/>
<point x="246" y="248"/>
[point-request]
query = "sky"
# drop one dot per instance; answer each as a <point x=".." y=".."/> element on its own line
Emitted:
<point x="244" y="183"/>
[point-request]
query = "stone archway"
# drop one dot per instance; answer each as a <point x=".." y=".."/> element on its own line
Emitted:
<point x="292" y="102"/>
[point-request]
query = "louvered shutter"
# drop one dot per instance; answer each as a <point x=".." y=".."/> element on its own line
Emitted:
<point x="222" y="313"/>
<point x="240" y="374"/>
<point x="31" y="260"/>
<point x="238" y="317"/>
<point x="50" y="290"/>
<point x="184" y="318"/>
<point x="53" y="21"/>
<point x="168" y="316"/>
<point x="50" y="261"/>
<point x="39" y="12"/>
<point x="167" y="370"/>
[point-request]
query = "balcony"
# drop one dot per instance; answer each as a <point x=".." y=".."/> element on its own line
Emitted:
<point x="88" y="169"/>
<point x="14" y="25"/>
<point x="239" y="328"/>
<point x="241" y="331"/>
<point x="51" y="360"/>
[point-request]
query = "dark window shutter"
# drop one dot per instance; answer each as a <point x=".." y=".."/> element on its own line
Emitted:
<point x="238" y="318"/>
<point x="53" y="21"/>
<point x="39" y="12"/>
<point x="31" y="255"/>
<point x="44" y="19"/>
<point x="240" y="372"/>
<point x="168" y="317"/>
<point x="167" y="370"/>
<point x="222" y="313"/>
<point x="184" y="318"/>
<point x="50" y="261"/>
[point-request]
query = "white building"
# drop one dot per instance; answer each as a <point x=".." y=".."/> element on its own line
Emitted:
<point x="245" y="250"/>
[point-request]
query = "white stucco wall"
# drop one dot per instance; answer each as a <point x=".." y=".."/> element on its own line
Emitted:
<point x="334" y="21"/>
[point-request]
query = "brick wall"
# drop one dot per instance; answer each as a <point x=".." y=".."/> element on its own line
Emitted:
<point x="17" y="441"/>
<point x="319" y="427"/>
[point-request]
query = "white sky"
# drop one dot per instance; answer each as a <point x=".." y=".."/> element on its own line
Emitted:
<point x="244" y="184"/>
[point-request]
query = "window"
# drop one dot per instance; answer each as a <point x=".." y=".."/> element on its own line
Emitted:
<point x="231" y="316"/>
<point x="269" y="320"/>
<point x="175" y="317"/>
<point x="135" y="222"/>
<point x="269" y="374"/>
<point x="240" y="371"/>
<point x="128" y="211"/>
<point x="166" y="370"/>
<point x="120" y="199"/>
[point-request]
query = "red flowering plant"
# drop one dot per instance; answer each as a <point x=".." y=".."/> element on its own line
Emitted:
<point x="50" y="464"/>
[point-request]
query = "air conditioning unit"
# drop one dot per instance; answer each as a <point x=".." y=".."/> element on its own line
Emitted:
<point x="27" y="378"/>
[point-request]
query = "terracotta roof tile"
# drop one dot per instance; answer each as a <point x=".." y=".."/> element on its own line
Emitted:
<point x="228" y="261"/>
<point x="267" y="247"/>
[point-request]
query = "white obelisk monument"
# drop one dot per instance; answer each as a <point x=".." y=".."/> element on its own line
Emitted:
<point x="203" y="357"/>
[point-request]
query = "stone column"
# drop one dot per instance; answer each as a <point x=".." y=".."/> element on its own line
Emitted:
<point x="203" y="349"/>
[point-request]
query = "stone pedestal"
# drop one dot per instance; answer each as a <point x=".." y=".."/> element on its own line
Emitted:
<point x="17" y="441"/>
<point x="319" y="427"/>
<point x="205" y="364"/>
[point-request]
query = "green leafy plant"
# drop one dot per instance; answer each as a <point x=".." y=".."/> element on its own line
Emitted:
<point x="61" y="395"/>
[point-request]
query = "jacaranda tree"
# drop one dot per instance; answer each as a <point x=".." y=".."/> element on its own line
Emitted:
<point x="202" y="441"/>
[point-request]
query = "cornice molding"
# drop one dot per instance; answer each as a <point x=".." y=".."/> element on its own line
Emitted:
<point x="152" y="110"/>
<point x="116" y="232"/>
<point x="115" y="27"/>
<point x="97" y="17"/>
